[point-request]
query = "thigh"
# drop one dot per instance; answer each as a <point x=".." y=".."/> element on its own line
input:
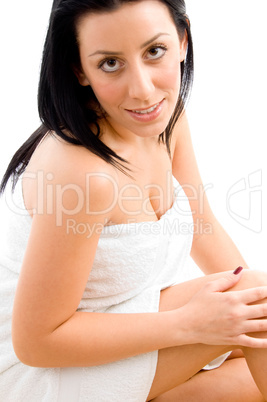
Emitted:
<point x="176" y="365"/>
<point x="232" y="382"/>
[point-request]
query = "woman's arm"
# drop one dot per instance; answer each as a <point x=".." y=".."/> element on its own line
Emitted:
<point x="212" y="250"/>
<point x="47" y="330"/>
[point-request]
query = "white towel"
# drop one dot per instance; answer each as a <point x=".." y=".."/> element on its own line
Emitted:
<point x="133" y="262"/>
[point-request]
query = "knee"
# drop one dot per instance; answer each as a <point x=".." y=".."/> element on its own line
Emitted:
<point x="252" y="279"/>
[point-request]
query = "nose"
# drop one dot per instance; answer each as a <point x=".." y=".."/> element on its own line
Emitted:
<point x="140" y="82"/>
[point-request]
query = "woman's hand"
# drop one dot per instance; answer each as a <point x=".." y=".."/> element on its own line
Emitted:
<point x="217" y="317"/>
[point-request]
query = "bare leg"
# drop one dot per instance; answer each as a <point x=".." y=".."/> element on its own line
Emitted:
<point x="257" y="362"/>
<point x="232" y="382"/>
<point x="177" y="365"/>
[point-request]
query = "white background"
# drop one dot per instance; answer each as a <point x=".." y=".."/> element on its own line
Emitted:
<point x="227" y="110"/>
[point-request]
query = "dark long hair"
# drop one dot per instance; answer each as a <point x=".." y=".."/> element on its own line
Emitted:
<point x="64" y="105"/>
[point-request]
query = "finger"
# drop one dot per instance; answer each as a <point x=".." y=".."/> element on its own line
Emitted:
<point x="253" y="295"/>
<point x="251" y="342"/>
<point x="252" y="326"/>
<point x="256" y="311"/>
<point x="228" y="281"/>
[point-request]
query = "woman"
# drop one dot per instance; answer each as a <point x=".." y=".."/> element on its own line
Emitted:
<point x="92" y="264"/>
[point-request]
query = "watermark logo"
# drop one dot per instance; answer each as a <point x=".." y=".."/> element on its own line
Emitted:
<point x="244" y="201"/>
<point x="167" y="227"/>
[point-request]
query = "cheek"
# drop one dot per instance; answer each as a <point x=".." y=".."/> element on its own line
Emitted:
<point x="172" y="76"/>
<point x="107" y="94"/>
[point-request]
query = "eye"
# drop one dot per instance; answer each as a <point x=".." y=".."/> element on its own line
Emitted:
<point x="110" y="65"/>
<point x="156" y="52"/>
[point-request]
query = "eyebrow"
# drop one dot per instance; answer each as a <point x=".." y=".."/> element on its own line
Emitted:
<point x="108" y="52"/>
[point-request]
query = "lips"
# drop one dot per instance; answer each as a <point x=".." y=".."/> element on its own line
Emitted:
<point x="145" y="111"/>
<point x="146" y="114"/>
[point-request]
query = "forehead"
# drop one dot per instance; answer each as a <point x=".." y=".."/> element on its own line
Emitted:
<point x="129" y="23"/>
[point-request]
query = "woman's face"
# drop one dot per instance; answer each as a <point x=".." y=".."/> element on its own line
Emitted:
<point x="131" y="58"/>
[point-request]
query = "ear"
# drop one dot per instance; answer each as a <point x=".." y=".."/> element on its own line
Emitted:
<point x="183" y="47"/>
<point x="83" y="80"/>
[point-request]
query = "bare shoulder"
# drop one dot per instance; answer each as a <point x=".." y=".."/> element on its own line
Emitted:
<point x="72" y="173"/>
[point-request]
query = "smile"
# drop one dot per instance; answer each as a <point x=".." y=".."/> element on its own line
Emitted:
<point x="146" y="115"/>
<point x="146" y="111"/>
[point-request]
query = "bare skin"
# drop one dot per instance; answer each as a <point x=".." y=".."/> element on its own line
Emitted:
<point x="231" y="382"/>
<point x="177" y="365"/>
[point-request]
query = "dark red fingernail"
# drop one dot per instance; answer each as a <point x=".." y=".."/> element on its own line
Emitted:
<point x="237" y="270"/>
